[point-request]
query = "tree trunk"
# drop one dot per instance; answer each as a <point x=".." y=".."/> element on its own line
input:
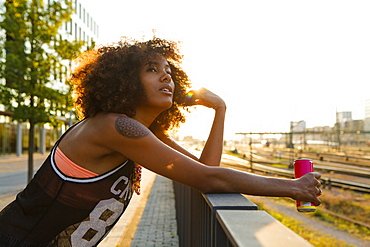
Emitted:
<point x="31" y="148"/>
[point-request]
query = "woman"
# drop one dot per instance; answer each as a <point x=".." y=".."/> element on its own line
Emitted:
<point x="129" y="94"/>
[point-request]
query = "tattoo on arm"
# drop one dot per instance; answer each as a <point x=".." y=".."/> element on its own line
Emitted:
<point x="130" y="128"/>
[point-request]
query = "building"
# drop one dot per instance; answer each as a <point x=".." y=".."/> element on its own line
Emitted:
<point x="342" y="117"/>
<point x="367" y="115"/>
<point x="13" y="136"/>
<point x="367" y="108"/>
<point x="82" y="25"/>
<point x="298" y="126"/>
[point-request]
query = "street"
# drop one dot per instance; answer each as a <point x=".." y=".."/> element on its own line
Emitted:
<point x="13" y="175"/>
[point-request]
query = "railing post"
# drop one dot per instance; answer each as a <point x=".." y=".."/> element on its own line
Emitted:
<point x="224" y="202"/>
<point x="254" y="229"/>
<point x="223" y="220"/>
<point x="196" y="214"/>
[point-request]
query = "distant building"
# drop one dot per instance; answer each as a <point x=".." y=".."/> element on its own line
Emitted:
<point x="367" y="115"/>
<point x="320" y="129"/>
<point x="354" y="126"/>
<point x="343" y="117"/>
<point x="298" y="126"/>
<point x="349" y="131"/>
<point x="367" y="108"/>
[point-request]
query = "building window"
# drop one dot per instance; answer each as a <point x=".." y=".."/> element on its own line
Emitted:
<point x="79" y="11"/>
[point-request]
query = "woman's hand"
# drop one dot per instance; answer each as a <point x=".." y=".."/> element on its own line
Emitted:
<point x="206" y="98"/>
<point x="308" y="188"/>
<point x="212" y="151"/>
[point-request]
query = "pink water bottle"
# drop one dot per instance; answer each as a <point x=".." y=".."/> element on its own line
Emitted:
<point x="301" y="167"/>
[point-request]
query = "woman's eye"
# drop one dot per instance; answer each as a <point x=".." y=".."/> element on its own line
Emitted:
<point x="152" y="70"/>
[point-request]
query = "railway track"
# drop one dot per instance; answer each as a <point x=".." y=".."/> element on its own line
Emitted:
<point x="339" y="158"/>
<point x="334" y="166"/>
<point x="330" y="178"/>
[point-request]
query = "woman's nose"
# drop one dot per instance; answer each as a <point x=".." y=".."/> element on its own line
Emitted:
<point x="166" y="77"/>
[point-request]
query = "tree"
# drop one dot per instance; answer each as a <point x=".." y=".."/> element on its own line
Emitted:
<point x="35" y="56"/>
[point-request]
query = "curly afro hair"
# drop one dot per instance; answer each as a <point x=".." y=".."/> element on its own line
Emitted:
<point x="107" y="79"/>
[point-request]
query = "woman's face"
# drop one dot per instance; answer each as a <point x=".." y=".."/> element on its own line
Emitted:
<point x="155" y="75"/>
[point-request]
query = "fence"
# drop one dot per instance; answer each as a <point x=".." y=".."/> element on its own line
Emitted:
<point x="222" y="220"/>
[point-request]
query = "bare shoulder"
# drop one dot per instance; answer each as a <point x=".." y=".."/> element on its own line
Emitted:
<point x="123" y="125"/>
<point x="130" y="128"/>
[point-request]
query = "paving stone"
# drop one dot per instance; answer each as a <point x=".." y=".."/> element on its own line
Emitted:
<point x="158" y="225"/>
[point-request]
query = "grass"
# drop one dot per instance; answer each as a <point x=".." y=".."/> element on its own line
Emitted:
<point x="279" y="165"/>
<point x="307" y="232"/>
<point x="243" y="156"/>
<point x="351" y="228"/>
<point x="350" y="204"/>
<point x="353" y="205"/>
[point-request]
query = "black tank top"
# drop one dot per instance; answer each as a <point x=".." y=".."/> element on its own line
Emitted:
<point x="58" y="210"/>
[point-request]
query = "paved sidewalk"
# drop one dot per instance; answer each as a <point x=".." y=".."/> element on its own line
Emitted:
<point x="150" y="219"/>
<point x="158" y="225"/>
<point x="127" y="224"/>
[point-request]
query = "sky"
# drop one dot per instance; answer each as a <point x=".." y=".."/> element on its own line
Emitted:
<point x="271" y="61"/>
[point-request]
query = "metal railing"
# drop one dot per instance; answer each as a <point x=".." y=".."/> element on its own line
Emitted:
<point x="219" y="220"/>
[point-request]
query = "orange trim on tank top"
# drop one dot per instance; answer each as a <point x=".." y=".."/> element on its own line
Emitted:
<point x="69" y="168"/>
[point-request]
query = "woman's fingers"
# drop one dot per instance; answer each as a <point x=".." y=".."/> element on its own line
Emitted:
<point x="204" y="97"/>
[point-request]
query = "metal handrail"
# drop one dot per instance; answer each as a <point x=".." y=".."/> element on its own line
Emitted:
<point x="220" y="220"/>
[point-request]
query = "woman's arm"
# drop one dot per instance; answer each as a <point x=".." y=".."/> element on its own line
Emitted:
<point x="212" y="151"/>
<point x="151" y="153"/>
